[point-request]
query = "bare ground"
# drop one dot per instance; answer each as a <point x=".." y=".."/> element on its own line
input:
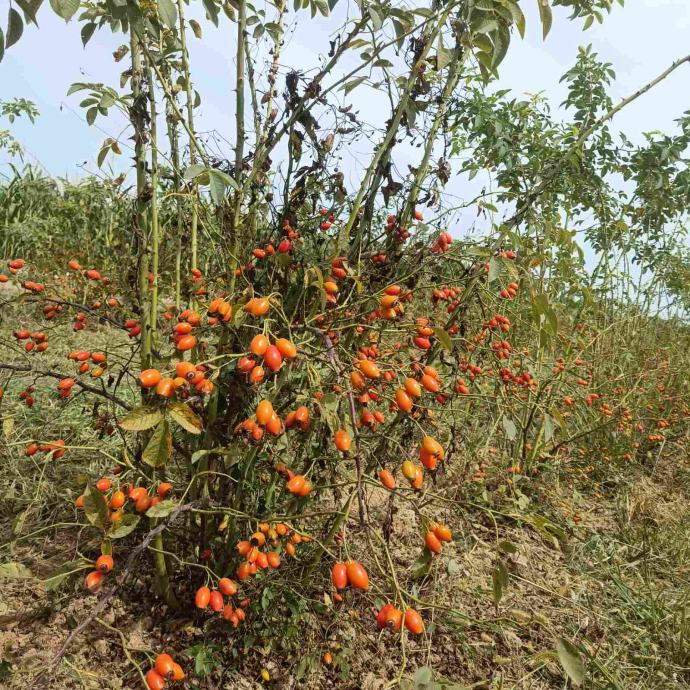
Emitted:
<point x="610" y="584"/>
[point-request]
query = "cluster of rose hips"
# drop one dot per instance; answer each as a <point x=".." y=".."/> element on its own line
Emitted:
<point x="82" y="357"/>
<point x="510" y="291"/>
<point x="15" y="265"/>
<point x="351" y="574"/>
<point x="164" y="669"/>
<point x="291" y="235"/>
<point x="214" y="599"/>
<point x="431" y="453"/>
<point x="51" y="310"/>
<point x="472" y="370"/>
<point x="34" y="342"/>
<point x="497" y="322"/>
<point x="326" y="224"/>
<point x="111" y="302"/>
<point x="267" y="536"/>
<point x="197" y="277"/>
<point x="219" y="311"/>
<point x="331" y="289"/>
<point x="391" y="618"/>
<point x="103" y="565"/>
<point x="298" y="418"/>
<point x="413" y="473"/>
<point x="370" y="420"/>
<point x="442" y="244"/>
<point x="265" y="419"/>
<point x="608" y="412"/>
<point x="133" y="327"/>
<point x="461" y="387"/>
<point x="590" y="398"/>
<point x="399" y="233"/>
<point x="138" y="495"/>
<point x="187" y="376"/>
<point x="391" y="303"/>
<point x="31" y="286"/>
<point x="80" y="322"/>
<point x="412" y="389"/>
<point x="523" y="380"/>
<point x="182" y="336"/>
<point x="297" y="484"/>
<point x="27" y="397"/>
<point x="57" y="448"/>
<point x="502" y="349"/>
<point x="446" y="294"/>
<point x="424" y="332"/>
<point x="436" y="536"/>
<point x="272" y="356"/>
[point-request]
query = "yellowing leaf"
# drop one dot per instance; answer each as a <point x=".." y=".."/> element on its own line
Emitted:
<point x="183" y="415"/>
<point x="140" y="419"/>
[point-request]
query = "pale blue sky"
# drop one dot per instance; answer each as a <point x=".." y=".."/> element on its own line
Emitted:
<point x="640" y="40"/>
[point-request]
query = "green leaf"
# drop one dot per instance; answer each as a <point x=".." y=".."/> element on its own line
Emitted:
<point x="496" y="268"/>
<point x="58" y="576"/>
<point x="211" y="10"/>
<point x="185" y="417"/>
<point x="501" y="39"/>
<point x="329" y="411"/>
<point x="163" y="509"/>
<point x="545" y="15"/>
<point x="15" y="28"/>
<point x="125" y="527"/>
<point x="509" y="428"/>
<point x="87" y="31"/>
<point x="443" y="57"/>
<point x="91" y="115"/>
<point x="102" y="154"/>
<point x="518" y="16"/>
<point x="2" y="44"/>
<point x="140" y="419"/>
<point x="159" y="448"/>
<point x="77" y="86"/>
<point x="499" y="579"/>
<point x="507" y="547"/>
<point x="65" y="8"/>
<point x="193" y="171"/>
<point x="167" y="12"/>
<point x="218" y="183"/>
<point x="571" y="661"/>
<point x="352" y="84"/>
<point x="423" y="678"/>
<point x="29" y="8"/>
<point x="95" y="507"/>
<point x="443" y="338"/>
<point x="422" y="566"/>
<point x="15" y="571"/>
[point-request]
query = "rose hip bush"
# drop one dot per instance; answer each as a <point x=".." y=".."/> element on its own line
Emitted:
<point x="281" y="354"/>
